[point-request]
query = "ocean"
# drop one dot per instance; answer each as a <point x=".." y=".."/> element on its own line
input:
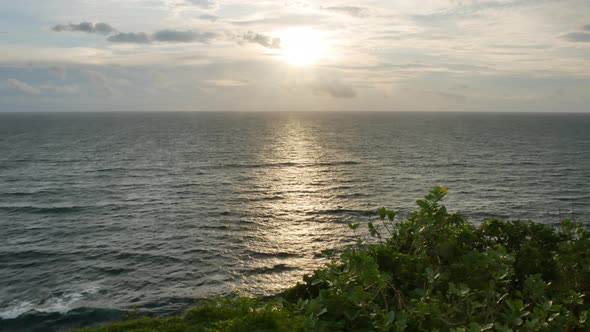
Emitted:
<point x="101" y="213"/>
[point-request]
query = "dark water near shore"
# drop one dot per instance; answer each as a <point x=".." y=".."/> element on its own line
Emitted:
<point x="101" y="212"/>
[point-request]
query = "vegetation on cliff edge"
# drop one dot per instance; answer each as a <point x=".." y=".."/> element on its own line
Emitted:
<point x="431" y="271"/>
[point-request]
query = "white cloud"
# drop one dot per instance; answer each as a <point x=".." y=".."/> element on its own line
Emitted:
<point x="22" y="87"/>
<point x="60" y="89"/>
<point x="333" y="89"/>
<point x="348" y="10"/>
<point x="226" y="83"/>
<point x="205" y="4"/>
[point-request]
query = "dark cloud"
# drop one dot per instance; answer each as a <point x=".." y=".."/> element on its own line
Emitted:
<point x="334" y="89"/>
<point x="22" y="87"/>
<point x="170" y="36"/>
<point x="164" y="36"/>
<point x="348" y="10"/>
<point x="586" y="27"/>
<point x="205" y="4"/>
<point x="174" y="36"/>
<point x="130" y="38"/>
<point x="88" y="27"/>
<point x="579" y="37"/>
<point x="264" y="40"/>
<point x="104" y="28"/>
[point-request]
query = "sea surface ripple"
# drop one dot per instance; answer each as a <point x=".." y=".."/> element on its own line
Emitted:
<point x="100" y="212"/>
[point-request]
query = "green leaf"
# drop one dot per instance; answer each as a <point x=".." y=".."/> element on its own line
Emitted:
<point x="391" y="215"/>
<point x="390" y="317"/>
<point x="487" y="327"/>
<point x="372" y="230"/>
<point x="423" y="204"/>
<point x="316" y="282"/>
<point x="353" y="226"/>
<point x="474" y="327"/>
<point x="463" y="289"/>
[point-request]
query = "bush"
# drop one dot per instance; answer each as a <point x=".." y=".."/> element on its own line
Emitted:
<point x="224" y="314"/>
<point x="432" y="271"/>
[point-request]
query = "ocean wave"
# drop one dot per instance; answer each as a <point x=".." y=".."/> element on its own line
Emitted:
<point x="351" y="195"/>
<point x="53" y="304"/>
<point x="281" y="164"/>
<point x="61" y="209"/>
<point x="280" y="254"/>
<point x="35" y="321"/>
<point x="263" y="198"/>
<point x="340" y="212"/>
<point x="28" y="193"/>
<point x="278" y="268"/>
<point x="42" y="209"/>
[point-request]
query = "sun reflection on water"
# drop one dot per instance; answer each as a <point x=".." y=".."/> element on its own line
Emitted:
<point x="291" y="235"/>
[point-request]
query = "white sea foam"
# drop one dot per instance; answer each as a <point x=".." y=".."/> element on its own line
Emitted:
<point x="54" y="304"/>
<point x="16" y="309"/>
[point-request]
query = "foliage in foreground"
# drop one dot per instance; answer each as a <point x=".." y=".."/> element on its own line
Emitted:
<point x="432" y="271"/>
<point x="236" y="315"/>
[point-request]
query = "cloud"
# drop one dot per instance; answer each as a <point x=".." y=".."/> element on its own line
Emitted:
<point x="205" y="4"/>
<point x="22" y="87"/>
<point x="60" y="89"/>
<point x="334" y="89"/>
<point x="226" y="83"/>
<point x="264" y="40"/>
<point x="103" y="87"/>
<point x="348" y="10"/>
<point x="88" y="27"/>
<point x="290" y="21"/>
<point x="45" y="89"/>
<point x="165" y="36"/>
<point x="208" y="17"/>
<point x="130" y="37"/>
<point x="172" y="36"/>
<point x="580" y="37"/>
<point x="57" y="71"/>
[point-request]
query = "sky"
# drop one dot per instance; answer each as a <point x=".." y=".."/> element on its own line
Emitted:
<point x="283" y="55"/>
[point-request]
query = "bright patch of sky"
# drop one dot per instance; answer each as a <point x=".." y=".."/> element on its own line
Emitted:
<point x="430" y="55"/>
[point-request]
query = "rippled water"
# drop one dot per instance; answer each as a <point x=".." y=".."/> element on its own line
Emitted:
<point x="157" y="209"/>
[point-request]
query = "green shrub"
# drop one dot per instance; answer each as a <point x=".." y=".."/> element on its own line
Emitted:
<point x="432" y="271"/>
<point x="224" y="314"/>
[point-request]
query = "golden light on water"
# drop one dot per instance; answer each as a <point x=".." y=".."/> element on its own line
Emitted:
<point x="300" y="47"/>
<point x="289" y="236"/>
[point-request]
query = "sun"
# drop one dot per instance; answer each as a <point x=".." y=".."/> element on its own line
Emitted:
<point x="300" y="47"/>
